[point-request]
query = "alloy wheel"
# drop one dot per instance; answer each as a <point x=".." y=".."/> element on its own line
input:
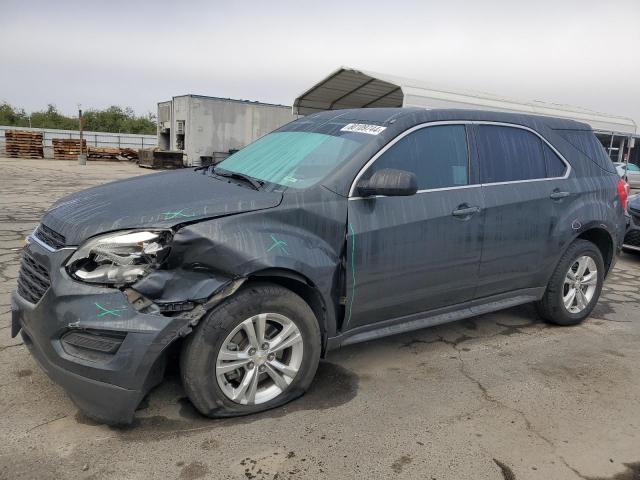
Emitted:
<point x="580" y="284"/>
<point x="259" y="359"/>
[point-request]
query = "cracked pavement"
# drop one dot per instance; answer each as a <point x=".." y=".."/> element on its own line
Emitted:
<point x="500" y="396"/>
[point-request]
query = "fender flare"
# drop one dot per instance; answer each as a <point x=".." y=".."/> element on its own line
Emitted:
<point x="590" y="227"/>
<point x="323" y="307"/>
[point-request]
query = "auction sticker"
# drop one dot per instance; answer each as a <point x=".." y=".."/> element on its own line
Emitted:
<point x="363" y="128"/>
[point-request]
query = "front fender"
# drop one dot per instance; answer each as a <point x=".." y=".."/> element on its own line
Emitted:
<point x="239" y="246"/>
<point x="206" y="256"/>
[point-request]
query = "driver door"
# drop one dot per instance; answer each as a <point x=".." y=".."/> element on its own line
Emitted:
<point x="411" y="254"/>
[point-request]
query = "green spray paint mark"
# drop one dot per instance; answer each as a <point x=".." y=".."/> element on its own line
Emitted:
<point x="178" y="214"/>
<point x="109" y="311"/>
<point x="353" y="273"/>
<point x="279" y="244"/>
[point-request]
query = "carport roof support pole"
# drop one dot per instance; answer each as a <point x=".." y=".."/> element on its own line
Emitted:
<point x="82" y="158"/>
<point x="621" y="149"/>
<point x="611" y="145"/>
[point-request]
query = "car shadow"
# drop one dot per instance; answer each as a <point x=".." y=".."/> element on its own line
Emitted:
<point x="168" y="412"/>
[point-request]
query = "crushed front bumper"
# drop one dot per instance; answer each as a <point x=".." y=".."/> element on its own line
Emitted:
<point x="116" y="354"/>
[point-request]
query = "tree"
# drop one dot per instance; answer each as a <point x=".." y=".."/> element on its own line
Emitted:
<point x="11" y="116"/>
<point x="112" y="119"/>
<point x="51" y="118"/>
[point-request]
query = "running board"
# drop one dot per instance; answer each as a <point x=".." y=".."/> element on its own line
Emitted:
<point x="435" y="317"/>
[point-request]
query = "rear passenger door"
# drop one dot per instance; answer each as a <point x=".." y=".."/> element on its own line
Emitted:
<point x="519" y="196"/>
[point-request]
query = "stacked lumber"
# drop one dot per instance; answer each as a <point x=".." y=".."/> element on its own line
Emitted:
<point x="67" y="148"/>
<point x="129" y="153"/>
<point x="111" y="153"/>
<point x="23" y="144"/>
<point x="103" y="153"/>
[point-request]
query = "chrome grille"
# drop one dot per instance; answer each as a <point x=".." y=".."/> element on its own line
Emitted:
<point x="50" y="237"/>
<point x="33" y="279"/>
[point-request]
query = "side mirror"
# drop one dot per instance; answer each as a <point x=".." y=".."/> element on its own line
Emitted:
<point x="389" y="182"/>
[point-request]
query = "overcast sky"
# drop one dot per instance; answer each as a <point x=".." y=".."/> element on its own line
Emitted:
<point x="99" y="53"/>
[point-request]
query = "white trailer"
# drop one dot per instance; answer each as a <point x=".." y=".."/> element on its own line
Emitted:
<point x="210" y="128"/>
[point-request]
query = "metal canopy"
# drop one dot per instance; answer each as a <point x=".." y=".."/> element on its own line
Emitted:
<point x="347" y="88"/>
<point x="350" y="88"/>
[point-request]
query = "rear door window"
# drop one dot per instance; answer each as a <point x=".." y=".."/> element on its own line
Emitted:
<point x="438" y="156"/>
<point x="509" y="154"/>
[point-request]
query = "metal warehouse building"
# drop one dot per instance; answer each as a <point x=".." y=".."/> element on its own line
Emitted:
<point x="350" y="88"/>
<point x="209" y="128"/>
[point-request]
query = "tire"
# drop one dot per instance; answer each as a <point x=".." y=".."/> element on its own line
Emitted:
<point x="552" y="306"/>
<point x="203" y="358"/>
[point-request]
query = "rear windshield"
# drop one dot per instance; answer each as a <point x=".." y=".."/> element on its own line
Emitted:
<point x="301" y="153"/>
<point x="587" y="143"/>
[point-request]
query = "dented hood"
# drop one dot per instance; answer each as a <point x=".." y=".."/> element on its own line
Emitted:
<point x="163" y="199"/>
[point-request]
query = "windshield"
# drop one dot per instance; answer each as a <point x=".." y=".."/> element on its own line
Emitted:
<point x="295" y="156"/>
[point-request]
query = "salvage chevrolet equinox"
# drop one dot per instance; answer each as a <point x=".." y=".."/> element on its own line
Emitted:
<point x="340" y="227"/>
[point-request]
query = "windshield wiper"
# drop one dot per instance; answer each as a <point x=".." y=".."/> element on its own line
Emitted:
<point x="255" y="184"/>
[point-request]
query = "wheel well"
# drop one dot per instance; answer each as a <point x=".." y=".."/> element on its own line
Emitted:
<point x="299" y="285"/>
<point x="601" y="239"/>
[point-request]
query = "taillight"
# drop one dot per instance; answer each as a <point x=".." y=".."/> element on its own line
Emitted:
<point x="623" y="193"/>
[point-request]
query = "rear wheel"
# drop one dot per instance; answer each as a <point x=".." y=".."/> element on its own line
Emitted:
<point x="575" y="286"/>
<point x="255" y="351"/>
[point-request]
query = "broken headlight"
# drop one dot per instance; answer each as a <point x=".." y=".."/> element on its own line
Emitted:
<point x="119" y="258"/>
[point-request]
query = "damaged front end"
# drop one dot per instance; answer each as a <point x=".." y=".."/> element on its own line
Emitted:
<point x="137" y="262"/>
<point x="99" y="318"/>
<point x="116" y="274"/>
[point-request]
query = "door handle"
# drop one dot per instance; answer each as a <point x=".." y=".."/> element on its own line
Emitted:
<point x="465" y="211"/>
<point x="557" y="195"/>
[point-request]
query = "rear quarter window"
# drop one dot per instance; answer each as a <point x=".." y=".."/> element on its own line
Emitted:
<point x="586" y="142"/>
<point x="555" y="166"/>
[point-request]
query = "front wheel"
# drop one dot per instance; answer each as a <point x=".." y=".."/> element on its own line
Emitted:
<point x="257" y="350"/>
<point x="575" y="286"/>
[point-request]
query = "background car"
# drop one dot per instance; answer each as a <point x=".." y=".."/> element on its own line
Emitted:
<point x="630" y="172"/>
<point x="632" y="237"/>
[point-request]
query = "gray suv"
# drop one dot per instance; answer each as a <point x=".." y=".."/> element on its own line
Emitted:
<point x="340" y="227"/>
